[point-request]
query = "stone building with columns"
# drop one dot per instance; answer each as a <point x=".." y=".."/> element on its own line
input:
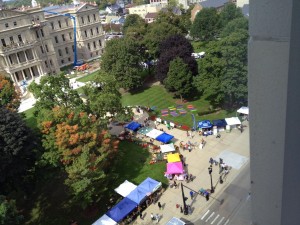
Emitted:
<point x="34" y="43"/>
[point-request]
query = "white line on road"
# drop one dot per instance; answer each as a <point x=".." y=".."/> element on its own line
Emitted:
<point x="226" y="222"/>
<point x="204" y="215"/>
<point x="221" y="221"/>
<point x="211" y="215"/>
<point x="215" y="219"/>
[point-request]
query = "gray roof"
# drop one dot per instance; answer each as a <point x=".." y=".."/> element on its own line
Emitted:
<point x="213" y="3"/>
<point x="245" y="10"/>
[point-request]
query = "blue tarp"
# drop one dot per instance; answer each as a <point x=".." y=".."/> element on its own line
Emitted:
<point x="121" y="210"/>
<point x="205" y="124"/>
<point x="133" y="126"/>
<point x="149" y="185"/>
<point x="138" y="195"/>
<point x="219" y="123"/>
<point x="165" y="138"/>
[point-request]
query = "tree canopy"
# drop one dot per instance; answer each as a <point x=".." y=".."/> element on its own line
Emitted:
<point x="179" y="79"/>
<point x="18" y="149"/>
<point x="122" y="59"/>
<point x="229" y="13"/>
<point x="133" y="21"/>
<point x="9" y="96"/>
<point x="223" y="72"/>
<point x="206" y="25"/>
<point x="9" y="215"/>
<point x="235" y="25"/>
<point x="171" y="48"/>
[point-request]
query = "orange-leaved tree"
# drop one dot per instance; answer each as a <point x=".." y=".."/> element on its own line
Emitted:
<point x="9" y="96"/>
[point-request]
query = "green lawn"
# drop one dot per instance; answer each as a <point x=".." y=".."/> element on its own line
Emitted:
<point x="159" y="97"/>
<point x="49" y="203"/>
<point x="30" y="119"/>
<point x="89" y="77"/>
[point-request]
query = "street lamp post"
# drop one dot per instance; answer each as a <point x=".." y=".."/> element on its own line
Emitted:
<point x="212" y="190"/>
<point x="185" y="209"/>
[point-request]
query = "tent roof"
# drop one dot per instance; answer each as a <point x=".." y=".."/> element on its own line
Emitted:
<point x="154" y="133"/>
<point x="125" y="188"/>
<point x="133" y="126"/>
<point x="173" y="158"/>
<point x="233" y="121"/>
<point x="167" y="148"/>
<point x="149" y="185"/>
<point x="205" y="124"/>
<point x="164" y="138"/>
<point x="243" y="110"/>
<point x="137" y="195"/>
<point x="105" y="220"/>
<point x="145" y="130"/>
<point x="174" y="168"/>
<point x="219" y="123"/>
<point x="175" y="221"/>
<point x="122" y="209"/>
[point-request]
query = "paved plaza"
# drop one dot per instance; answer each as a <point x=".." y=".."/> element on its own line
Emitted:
<point x="232" y="147"/>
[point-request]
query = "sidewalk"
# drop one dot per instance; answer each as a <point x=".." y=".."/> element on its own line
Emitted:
<point x="235" y="143"/>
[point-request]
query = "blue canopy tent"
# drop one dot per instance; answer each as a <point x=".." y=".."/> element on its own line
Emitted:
<point x="133" y="126"/>
<point x="149" y="185"/>
<point x="165" y="138"/>
<point x="121" y="210"/>
<point x="219" y="123"/>
<point x="205" y="124"/>
<point x="138" y="195"/>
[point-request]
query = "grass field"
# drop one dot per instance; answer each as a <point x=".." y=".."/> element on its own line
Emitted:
<point x="87" y="78"/>
<point x="157" y="96"/>
<point x="49" y="203"/>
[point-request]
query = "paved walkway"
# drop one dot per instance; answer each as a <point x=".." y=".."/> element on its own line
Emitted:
<point x="233" y="147"/>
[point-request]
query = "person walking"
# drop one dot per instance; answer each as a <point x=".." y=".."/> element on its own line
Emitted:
<point x="175" y="184"/>
<point x="141" y="215"/>
<point x="159" y="206"/>
<point x="192" y="194"/>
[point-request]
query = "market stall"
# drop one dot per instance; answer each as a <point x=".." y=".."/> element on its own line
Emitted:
<point x="134" y="126"/>
<point x="149" y="185"/>
<point x="174" y="168"/>
<point x="167" y="148"/>
<point x="220" y="124"/>
<point x="164" y="138"/>
<point x="121" y="210"/>
<point x="105" y="220"/>
<point x="138" y="195"/>
<point x="173" y="158"/>
<point x="125" y="188"/>
<point x="232" y="122"/>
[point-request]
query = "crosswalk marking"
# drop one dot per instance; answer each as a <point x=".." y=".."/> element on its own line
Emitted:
<point x="211" y="215"/>
<point x="221" y="220"/>
<point x="215" y="219"/>
<point x="204" y="215"/>
<point x="226" y="222"/>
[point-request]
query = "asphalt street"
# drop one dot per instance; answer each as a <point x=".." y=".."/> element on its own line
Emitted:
<point x="232" y="207"/>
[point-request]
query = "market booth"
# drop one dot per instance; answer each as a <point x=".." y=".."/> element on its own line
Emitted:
<point x="164" y="138"/>
<point x="105" y="220"/>
<point x="134" y="126"/>
<point x="245" y="111"/>
<point x="219" y="124"/>
<point x="174" y="168"/>
<point x="173" y="158"/>
<point x="205" y="126"/>
<point x="167" y="148"/>
<point x="138" y="195"/>
<point x="125" y="188"/>
<point x="232" y="123"/>
<point x="122" y="209"/>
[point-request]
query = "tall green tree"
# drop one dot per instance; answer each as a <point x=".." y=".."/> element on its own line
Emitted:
<point x="222" y="75"/>
<point x="168" y="17"/>
<point x="17" y="152"/>
<point x="229" y="13"/>
<point x="179" y="79"/>
<point x="9" y="214"/>
<point x="156" y="33"/>
<point x="9" y="96"/>
<point x="55" y="91"/>
<point x="206" y="25"/>
<point x="133" y="20"/>
<point x="171" y="48"/>
<point x="235" y="25"/>
<point x="122" y="59"/>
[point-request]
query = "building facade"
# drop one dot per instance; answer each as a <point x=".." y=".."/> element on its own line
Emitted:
<point x="36" y="41"/>
<point x="142" y="10"/>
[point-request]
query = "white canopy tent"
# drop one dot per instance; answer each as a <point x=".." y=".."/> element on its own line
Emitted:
<point x="233" y="121"/>
<point x="154" y="133"/>
<point x="243" y="110"/>
<point x="125" y="188"/>
<point x="167" y="148"/>
<point x="105" y="220"/>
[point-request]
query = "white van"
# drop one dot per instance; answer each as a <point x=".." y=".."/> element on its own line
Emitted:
<point x="175" y="221"/>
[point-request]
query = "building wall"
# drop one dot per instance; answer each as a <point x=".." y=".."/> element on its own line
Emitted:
<point x="142" y="10"/>
<point x="274" y="111"/>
